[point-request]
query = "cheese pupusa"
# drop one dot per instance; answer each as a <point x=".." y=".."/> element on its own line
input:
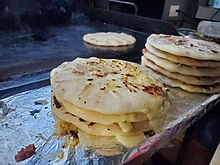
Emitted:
<point x="108" y="97"/>
<point x="98" y="129"/>
<point x="107" y="86"/>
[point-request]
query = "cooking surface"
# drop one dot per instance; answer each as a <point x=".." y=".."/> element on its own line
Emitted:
<point x="43" y="49"/>
<point x="28" y="56"/>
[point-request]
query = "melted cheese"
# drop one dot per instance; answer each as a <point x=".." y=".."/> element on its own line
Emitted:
<point x="124" y="121"/>
<point x="93" y="116"/>
<point x="105" y="130"/>
<point x="125" y="126"/>
<point x="131" y="141"/>
<point x="117" y="127"/>
<point x="102" y="145"/>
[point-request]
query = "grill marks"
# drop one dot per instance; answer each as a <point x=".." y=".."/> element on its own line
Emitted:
<point x="82" y="120"/>
<point x="91" y="123"/>
<point x="122" y="75"/>
<point x="153" y="90"/>
<point x="180" y="42"/>
<point x="90" y="79"/>
<point x="74" y="134"/>
<point x="214" y="51"/>
<point x="103" y="88"/>
<point x="206" y="49"/>
<point x="56" y="102"/>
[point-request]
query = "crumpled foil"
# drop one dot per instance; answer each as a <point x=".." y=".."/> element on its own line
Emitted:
<point x="26" y="118"/>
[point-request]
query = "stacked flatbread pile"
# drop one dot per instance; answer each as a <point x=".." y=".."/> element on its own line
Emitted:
<point x="108" y="97"/>
<point x="187" y="63"/>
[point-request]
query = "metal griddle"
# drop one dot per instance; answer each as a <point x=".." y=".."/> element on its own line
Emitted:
<point x="28" y="57"/>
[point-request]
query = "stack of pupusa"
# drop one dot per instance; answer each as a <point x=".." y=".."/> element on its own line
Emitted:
<point x="191" y="64"/>
<point x="108" y="97"/>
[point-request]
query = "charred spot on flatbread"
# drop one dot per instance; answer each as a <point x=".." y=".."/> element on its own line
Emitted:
<point x="56" y="102"/>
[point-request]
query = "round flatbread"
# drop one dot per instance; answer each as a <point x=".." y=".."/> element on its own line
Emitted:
<point x="184" y="78"/>
<point x="103" y="118"/>
<point x="179" y="59"/>
<point x="108" y="97"/>
<point x="107" y="86"/>
<point x="98" y="129"/>
<point x="184" y="46"/>
<point x="183" y="69"/>
<point x="209" y="89"/>
<point x="109" y="39"/>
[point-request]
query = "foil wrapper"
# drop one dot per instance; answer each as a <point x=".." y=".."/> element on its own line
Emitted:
<point x="26" y="118"/>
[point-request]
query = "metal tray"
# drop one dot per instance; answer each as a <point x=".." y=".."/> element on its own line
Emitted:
<point x="24" y="122"/>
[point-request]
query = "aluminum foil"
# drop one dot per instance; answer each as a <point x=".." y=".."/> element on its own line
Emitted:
<point x="26" y="119"/>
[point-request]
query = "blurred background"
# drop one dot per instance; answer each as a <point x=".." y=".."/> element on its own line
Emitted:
<point x="17" y="14"/>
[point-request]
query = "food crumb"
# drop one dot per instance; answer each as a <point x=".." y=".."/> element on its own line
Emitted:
<point x="25" y="153"/>
<point x="60" y="155"/>
<point x="40" y="102"/>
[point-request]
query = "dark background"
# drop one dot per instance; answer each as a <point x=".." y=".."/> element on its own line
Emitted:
<point x="22" y="14"/>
